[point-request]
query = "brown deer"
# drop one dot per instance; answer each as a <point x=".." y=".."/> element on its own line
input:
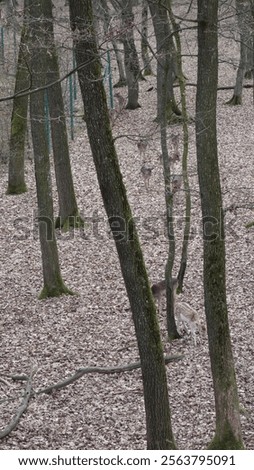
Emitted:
<point x="142" y="146"/>
<point x="146" y="171"/>
<point x="184" y="313"/>
<point x="177" y="181"/>
<point x="159" y="290"/>
<point x="189" y="318"/>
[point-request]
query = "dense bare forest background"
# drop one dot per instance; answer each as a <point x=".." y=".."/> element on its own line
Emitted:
<point x="57" y="336"/>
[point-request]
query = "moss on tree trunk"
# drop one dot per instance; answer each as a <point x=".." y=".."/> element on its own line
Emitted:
<point x="16" y="177"/>
<point x="132" y="69"/>
<point x="165" y="63"/>
<point x="228" y="428"/>
<point x="53" y="283"/>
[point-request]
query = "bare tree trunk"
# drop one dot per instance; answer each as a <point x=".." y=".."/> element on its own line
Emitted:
<point x="252" y="31"/>
<point x="165" y="61"/>
<point x="16" y="177"/>
<point x="53" y="283"/>
<point x="244" y="20"/>
<point x="169" y="200"/>
<point x="68" y="209"/>
<point x="130" y="55"/>
<point x="106" y="16"/>
<point x="228" y="428"/>
<point x="10" y="12"/>
<point x="181" y="79"/>
<point x="132" y="82"/>
<point x="144" y="40"/>
<point x="159" y="432"/>
<point x="161" y="27"/>
<point x="118" y="53"/>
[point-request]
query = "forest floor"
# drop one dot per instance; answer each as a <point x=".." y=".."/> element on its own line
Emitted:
<point x="94" y="327"/>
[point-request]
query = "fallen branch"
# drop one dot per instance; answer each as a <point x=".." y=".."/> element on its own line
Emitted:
<point x="219" y="88"/>
<point x="22" y="408"/>
<point x="29" y="392"/>
<point x="99" y="370"/>
<point x="18" y="378"/>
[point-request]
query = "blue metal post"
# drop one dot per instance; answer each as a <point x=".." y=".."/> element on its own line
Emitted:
<point x="74" y="77"/>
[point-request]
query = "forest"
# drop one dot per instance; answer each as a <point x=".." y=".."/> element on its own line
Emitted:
<point x="127" y="218"/>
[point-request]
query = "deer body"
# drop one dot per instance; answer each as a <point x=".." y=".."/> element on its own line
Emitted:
<point x="159" y="290"/>
<point x="146" y="171"/>
<point x="189" y="317"/>
<point x="184" y="313"/>
<point x="142" y="146"/>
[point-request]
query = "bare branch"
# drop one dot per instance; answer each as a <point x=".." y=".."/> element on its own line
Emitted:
<point x="22" y="408"/>
<point x="99" y="370"/>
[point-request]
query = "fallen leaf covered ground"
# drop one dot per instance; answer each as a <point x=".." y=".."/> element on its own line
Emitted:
<point x="94" y="327"/>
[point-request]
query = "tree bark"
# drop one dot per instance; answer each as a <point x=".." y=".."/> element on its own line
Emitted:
<point x="169" y="202"/>
<point x="228" y="429"/>
<point x="158" y="421"/>
<point x="181" y="79"/>
<point x="244" y="20"/>
<point x="68" y="209"/>
<point x="130" y="55"/>
<point x="165" y="63"/>
<point x="16" y="176"/>
<point x="144" y="40"/>
<point x="252" y="31"/>
<point x="118" y="54"/>
<point x="53" y="283"/>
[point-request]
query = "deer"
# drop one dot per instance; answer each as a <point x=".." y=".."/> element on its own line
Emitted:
<point x="159" y="289"/>
<point x="146" y="171"/>
<point x="142" y="144"/>
<point x="184" y="313"/>
<point x="177" y="181"/>
<point x="175" y="144"/>
<point x="176" y="154"/>
<point x="189" y="318"/>
<point x="175" y="158"/>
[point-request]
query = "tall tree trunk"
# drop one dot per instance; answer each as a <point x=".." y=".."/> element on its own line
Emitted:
<point x="68" y="209"/>
<point x="53" y="283"/>
<point x="169" y="200"/>
<point x="228" y="429"/>
<point x="252" y="31"/>
<point x="144" y="40"/>
<point x="165" y="60"/>
<point x="181" y="79"/>
<point x="130" y="55"/>
<point x="244" y="20"/>
<point x="16" y="177"/>
<point x="159" y="432"/>
<point x="118" y="54"/>
<point x="164" y="63"/>
<point x="132" y="82"/>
